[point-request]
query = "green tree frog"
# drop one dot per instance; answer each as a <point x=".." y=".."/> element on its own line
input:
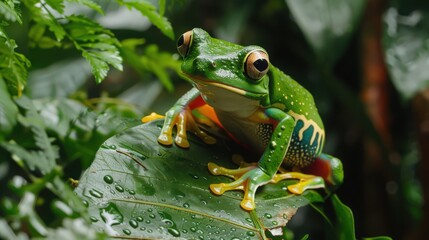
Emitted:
<point x="260" y="107"/>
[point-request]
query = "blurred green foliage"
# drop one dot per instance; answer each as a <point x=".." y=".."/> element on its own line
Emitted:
<point x="53" y="117"/>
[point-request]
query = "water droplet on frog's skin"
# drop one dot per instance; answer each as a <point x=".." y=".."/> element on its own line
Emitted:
<point x="233" y="229"/>
<point x="96" y="193"/>
<point x="195" y="177"/>
<point x="131" y="192"/>
<point x="150" y="210"/>
<point x="113" y="147"/>
<point x="85" y="203"/>
<point x="147" y="221"/>
<point x="93" y="219"/>
<point x="133" y="223"/>
<point x="193" y="229"/>
<point x="273" y="144"/>
<point x="267" y="215"/>
<point x="186" y="205"/>
<point x="149" y="231"/>
<point x="152" y="215"/>
<point x="250" y="233"/>
<point x="108" y="179"/>
<point x="249" y="220"/>
<point x="126" y="231"/>
<point x="184" y="231"/>
<point x="173" y="232"/>
<point x="139" y="218"/>
<point x="274" y="222"/>
<point x="142" y="228"/>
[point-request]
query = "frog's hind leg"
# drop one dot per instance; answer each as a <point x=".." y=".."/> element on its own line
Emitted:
<point x="325" y="169"/>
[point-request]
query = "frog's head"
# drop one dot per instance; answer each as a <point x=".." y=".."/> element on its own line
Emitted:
<point x="216" y="63"/>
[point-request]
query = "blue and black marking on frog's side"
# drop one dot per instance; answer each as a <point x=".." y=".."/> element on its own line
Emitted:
<point x="305" y="145"/>
<point x="306" y="141"/>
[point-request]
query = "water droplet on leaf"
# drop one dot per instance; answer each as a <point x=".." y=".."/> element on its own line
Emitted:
<point x="126" y="231"/>
<point x="96" y="193"/>
<point x="133" y="223"/>
<point x="108" y="179"/>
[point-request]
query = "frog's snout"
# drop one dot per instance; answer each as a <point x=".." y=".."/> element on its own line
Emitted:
<point x="202" y="64"/>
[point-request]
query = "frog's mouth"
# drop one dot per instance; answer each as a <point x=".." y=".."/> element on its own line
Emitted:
<point x="200" y="81"/>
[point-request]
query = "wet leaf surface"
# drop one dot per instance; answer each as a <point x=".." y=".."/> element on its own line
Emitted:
<point x="140" y="189"/>
<point x="406" y="48"/>
<point x="328" y="25"/>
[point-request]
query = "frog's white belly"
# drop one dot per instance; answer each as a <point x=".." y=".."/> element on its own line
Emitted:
<point x="233" y="111"/>
<point x="249" y="133"/>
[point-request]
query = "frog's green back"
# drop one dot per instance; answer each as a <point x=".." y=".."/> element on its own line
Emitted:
<point x="289" y="95"/>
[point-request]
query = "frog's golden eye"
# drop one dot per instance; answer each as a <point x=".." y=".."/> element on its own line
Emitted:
<point x="184" y="42"/>
<point x="256" y="64"/>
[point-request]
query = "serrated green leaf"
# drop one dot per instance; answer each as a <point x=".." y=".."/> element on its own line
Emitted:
<point x="8" y="111"/>
<point x="57" y="5"/>
<point x="99" y="68"/>
<point x="327" y="25"/>
<point x="149" y="10"/>
<point x="97" y="44"/>
<point x="405" y="41"/>
<point x="136" y="188"/>
<point x="13" y="66"/>
<point x="36" y="32"/>
<point x="44" y="158"/>
<point x="91" y="4"/>
<point x="152" y="60"/>
<point x="7" y="9"/>
<point x="40" y="16"/>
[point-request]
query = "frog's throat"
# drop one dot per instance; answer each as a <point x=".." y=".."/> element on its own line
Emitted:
<point x="203" y="81"/>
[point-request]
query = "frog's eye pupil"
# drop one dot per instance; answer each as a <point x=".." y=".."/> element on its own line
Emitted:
<point x="184" y="42"/>
<point x="261" y="64"/>
<point x="180" y="41"/>
<point x="256" y="64"/>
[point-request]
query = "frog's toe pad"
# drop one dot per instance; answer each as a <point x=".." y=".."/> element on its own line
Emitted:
<point x="165" y="139"/>
<point x="303" y="185"/>
<point x="151" y="117"/>
<point x="247" y="204"/>
<point x="218" y="189"/>
<point x="214" y="169"/>
<point x="182" y="141"/>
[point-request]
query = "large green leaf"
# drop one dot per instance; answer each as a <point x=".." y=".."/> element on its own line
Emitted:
<point x="407" y="50"/>
<point x="138" y="188"/>
<point x="328" y="25"/>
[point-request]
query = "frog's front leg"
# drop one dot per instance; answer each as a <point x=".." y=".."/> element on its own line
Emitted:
<point x="180" y="115"/>
<point x="250" y="178"/>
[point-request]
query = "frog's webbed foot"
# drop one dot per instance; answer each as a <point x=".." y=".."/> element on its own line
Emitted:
<point x="181" y="118"/>
<point x="247" y="179"/>
<point x="306" y="181"/>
